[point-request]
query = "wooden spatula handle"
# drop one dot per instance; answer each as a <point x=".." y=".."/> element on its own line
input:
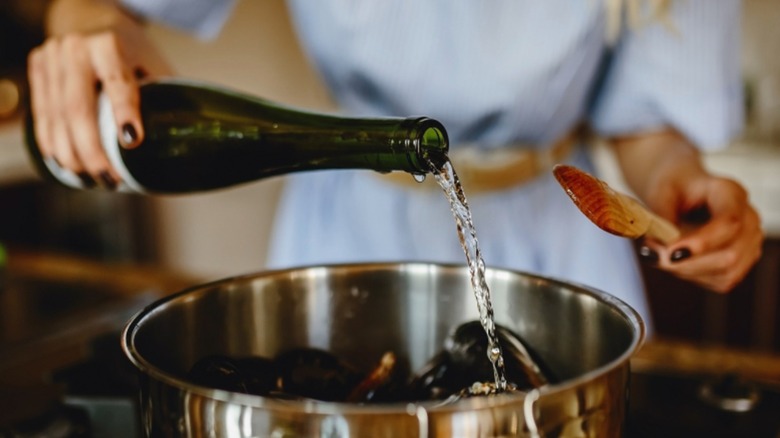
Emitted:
<point x="662" y="230"/>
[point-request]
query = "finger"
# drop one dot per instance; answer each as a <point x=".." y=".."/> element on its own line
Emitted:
<point x="720" y="270"/>
<point x="38" y="97"/>
<point x="715" y="234"/>
<point x="61" y="141"/>
<point x="80" y="105"/>
<point x="728" y="213"/>
<point x="120" y="87"/>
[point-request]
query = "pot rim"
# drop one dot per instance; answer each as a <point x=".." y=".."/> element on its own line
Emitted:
<point x="340" y="408"/>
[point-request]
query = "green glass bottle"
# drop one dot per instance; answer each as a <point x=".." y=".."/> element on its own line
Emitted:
<point x="200" y="137"/>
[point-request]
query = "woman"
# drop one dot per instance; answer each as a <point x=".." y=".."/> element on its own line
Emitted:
<point x="511" y="80"/>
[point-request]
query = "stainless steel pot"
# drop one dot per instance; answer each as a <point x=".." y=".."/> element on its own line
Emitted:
<point x="361" y="311"/>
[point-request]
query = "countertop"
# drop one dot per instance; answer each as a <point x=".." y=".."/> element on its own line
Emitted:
<point x="688" y="358"/>
<point x="53" y="305"/>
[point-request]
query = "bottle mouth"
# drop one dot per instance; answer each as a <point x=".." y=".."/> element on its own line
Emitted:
<point x="433" y="143"/>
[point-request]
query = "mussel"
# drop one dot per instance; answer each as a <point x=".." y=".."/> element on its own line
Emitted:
<point x="250" y="375"/>
<point x="461" y="369"/>
<point x="316" y="374"/>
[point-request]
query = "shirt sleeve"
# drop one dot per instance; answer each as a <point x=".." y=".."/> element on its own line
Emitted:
<point x="686" y="75"/>
<point x="204" y="18"/>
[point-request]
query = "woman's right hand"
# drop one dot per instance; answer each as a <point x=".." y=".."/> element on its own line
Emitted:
<point x="94" y="46"/>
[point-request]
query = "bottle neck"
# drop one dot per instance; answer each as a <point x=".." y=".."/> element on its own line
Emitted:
<point x="403" y="144"/>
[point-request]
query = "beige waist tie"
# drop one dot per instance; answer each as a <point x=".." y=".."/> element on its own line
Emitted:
<point x="481" y="170"/>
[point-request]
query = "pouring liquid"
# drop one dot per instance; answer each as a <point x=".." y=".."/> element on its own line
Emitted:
<point x="452" y="374"/>
<point x="467" y="234"/>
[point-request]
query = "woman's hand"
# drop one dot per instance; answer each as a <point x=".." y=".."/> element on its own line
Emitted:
<point x="94" y="46"/>
<point x="722" y="235"/>
<point x="720" y="252"/>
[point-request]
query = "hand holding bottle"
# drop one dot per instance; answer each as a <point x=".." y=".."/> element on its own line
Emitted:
<point x="203" y="137"/>
<point x="94" y="46"/>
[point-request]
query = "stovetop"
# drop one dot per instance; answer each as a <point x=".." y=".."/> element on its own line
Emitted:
<point x="676" y="405"/>
<point x="72" y="327"/>
<point x="95" y="398"/>
<point x="100" y="401"/>
<point x="95" y="394"/>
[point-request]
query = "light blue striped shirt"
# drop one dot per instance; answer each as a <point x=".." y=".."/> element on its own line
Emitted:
<point x="510" y="71"/>
<point x="495" y="73"/>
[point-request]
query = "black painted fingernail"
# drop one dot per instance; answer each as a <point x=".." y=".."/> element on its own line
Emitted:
<point x="86" y="179"/>
<point x="108" y="180"/>
<point x="647" y="254"/>
<point x="680" y="254"/>
<point x="129" y="134"/>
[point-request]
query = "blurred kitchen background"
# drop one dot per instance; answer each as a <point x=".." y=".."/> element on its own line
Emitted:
<point x="224" y="233"/>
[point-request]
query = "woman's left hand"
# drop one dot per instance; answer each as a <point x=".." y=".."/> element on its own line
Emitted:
<point x="716" y="254"/>
<point x="721" y="244"/>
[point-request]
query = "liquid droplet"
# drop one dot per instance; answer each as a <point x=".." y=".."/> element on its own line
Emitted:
<point x="495" y="354"/>
<point x="419" y="177"/>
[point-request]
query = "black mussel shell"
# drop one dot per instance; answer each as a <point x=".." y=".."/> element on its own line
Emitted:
<point x="467" y="347"/>
<point x="219" y="372"/>
<point x="435" y="380"/>
<point x="250" y="375"/>
<point x="317" y="374"/>
<point x="521" y="360"/>
<point x="259" y="374"/>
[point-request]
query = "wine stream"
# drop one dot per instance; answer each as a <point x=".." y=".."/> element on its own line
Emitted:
<point x="448" y="180"/>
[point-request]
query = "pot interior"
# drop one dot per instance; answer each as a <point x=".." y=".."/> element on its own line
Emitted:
<point x="359" y="312"/>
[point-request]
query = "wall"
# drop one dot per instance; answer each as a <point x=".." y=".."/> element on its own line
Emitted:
<point x="761" y="68"/>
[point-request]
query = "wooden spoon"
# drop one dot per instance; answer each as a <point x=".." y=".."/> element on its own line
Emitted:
<point x="613" y="212"/>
